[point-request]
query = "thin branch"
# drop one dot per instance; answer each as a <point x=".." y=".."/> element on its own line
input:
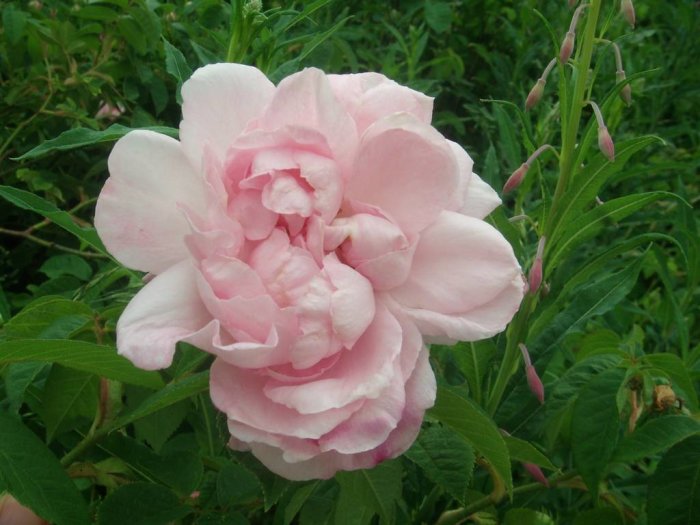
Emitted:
<point x="49" y="244"/>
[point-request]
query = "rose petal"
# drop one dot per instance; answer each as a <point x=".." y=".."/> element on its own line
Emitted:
<point x="473" y="197"/>
<point x="137" y="214"/>
<point x="167" y="310"/>
<point x="218" y="101"/>
<point x="464" y="269"/>
<point x="405" y="168"/>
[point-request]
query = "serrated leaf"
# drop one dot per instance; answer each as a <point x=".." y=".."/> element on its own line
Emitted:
<point x="376" y="489"/>
<point x="81" y="137"/>
<point x="68" y="394"/>
<point x="141" y="504"/>
<point x="176" y="65"/>
<point x="471" y="422"/>
<point x="673" y="497"/>
<point x="595" y="426"/>
<point x="235" y="485"/>
<point x="29" y="201"/>
<point x="34" y="477"/>
<point x="180" y="470"/>
<point x="526" y="517"/>
<point x="521" y="450"/>
<point x="79" y="355"/>
<point x="48" y="317"/>
<point x="445" y="458"/>
<point x="66" y="264"/>
<point x="655" y="436"/>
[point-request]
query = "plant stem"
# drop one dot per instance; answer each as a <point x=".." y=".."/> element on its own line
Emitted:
<point x="236" y="19"/>
<point x="566" y="162"/>
<point x="451" y="517"/>
<point x="50" y="244"/>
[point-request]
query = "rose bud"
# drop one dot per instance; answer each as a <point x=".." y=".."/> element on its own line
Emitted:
<point x="535" y="278"/>
<point x="536" y="473"/>
<point x="567" y="47"/>
<point x="605" y="142"/>
<point x="627" y="10"/>
<point x="626" y="91"/>
<point x="535" y="94"/>
<point x="533" y="380"/>
<point x="517" y="176"/>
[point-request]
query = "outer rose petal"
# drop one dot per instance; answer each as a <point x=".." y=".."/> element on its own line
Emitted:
<point x="369" y="97"/>
<point x="405" y="168"/>
<point x="465" y="282"/>
<point x="165" y="311"/>
<point x="473" y="197"/>
<point x="420" y="395"/>
<point x="137" y="214"/>
<point x="218" y="101"/>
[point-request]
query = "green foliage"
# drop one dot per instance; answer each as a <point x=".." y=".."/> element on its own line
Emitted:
<point x="613" y="334"/>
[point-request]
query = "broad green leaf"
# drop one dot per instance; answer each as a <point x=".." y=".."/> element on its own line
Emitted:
<point x="446" y="459"/>
<point x="471" y="422"/>
<point x="180" y="470"/>
<point x="68" y="394"/>
<point x="595" y="427"/>
<point x="167" y="396"/>
<point x="79" y="355"/>
<point x="438" y="15"/>
<point x="48" y="317"/>
<point x="14" y="22"/>
<point x="590" y="223"/>
<point x="673" y="496"/>
<point x="603" y="516"/>
<point x="527" y="517"/>
<point x="376" y="489"/>
<point x="524" y="451"/>
<point x="81" y="137"/>
<point x="33" y="475"/>
<point x="656" y="436"/>
<point x="29" y="201"/>
<point x="66" y="264"/>
<point x="18" y="377"/>
<point x="473" y="359"/>
<point x="236" y="485"/>
<point x="141" y="504"/>
<point x="273" y="486"/>
<point x="133" y="34"/>
<point x="177" y="66"/>
<point x="672" y="365"/>
<point x="298" y="500"/>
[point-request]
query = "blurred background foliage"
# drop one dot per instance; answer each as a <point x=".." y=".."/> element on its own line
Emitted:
<point x="92" y="64"/>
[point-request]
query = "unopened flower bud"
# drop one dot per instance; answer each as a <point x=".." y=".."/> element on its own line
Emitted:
<point x="605" y="143"/>
<point x="536" y="473"/>
<point x="626" y="91"/>
<point x="535" y="278"/>
<point x="533" y="380"/>
<point x="516" y="178"/>
<point x="535" y="94"/>
<point x="627" y="10"/>
<point x="567" y="47"/>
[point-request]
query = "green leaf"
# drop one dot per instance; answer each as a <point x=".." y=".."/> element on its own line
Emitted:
<point x="48" y="317"/>
<point x="376" y="489"/>
<point x="81" y="137"/>
<point x="14" y="22"/>
<point x="236" y="484"/>
<point x="33" y="475"/>
<point x="446" y="459"/>
<point x="68" y="394"/>
<point x="473" y="359"/>
<point x="438" y="15"/>
<point x="177" y="66"/>
<point x="18" y="377"/>
<point x="67" y="264"/>
<point x="595" y="426"/>
<point x="656" y="436"/>
<point x="168" y="395"/>
<point x="673" y="497"/>
<point x="180" y="470"/>
<point x="526" y="517"/>
<point x="525" y="452"/>
<point x="672" y="366"/>
<point x="133" y="34"/>
<point x="79" y="355"/>
<point x="590" y="223"/>
<point x="471" y="422"/>
<point x="141" y="504"/>
<point x="298" y="500"/>
<point x="603" y="516"/>
<point x="29" y="201"/>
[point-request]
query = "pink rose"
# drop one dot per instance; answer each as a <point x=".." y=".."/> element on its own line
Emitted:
<point x="14" y="513"/>
<point x="308" y="235"/>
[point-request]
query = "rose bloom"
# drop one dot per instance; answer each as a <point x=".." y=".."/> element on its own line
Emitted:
<point x="311" y="236"/>
<point x="14" y="513"/>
